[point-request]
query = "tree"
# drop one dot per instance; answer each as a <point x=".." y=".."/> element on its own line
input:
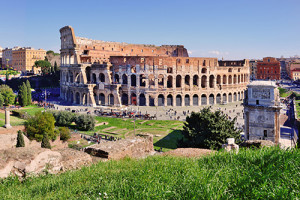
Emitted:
<point x="55" y="67"/>
<point x="44" y="65"/>
<point x="39" y="124"/>
<point x="7" y="94"/>
<point x="64" y="133"/>
<point x="45" y="142"/>
<point x="50" y="52"/>
<point x="85" y="122"/>
<point x="20" y="139"/>
<point x="23" y="95"/>
<point x="207" y="129"/>
<point x="63" y="118"/>
<point x="28" y="86"/>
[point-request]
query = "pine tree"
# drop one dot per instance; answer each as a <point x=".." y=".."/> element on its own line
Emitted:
<point x="55" y="67"/>
<point x="1" y="100"/>
<point x="20" y="139"/>
<point x="45" y="142"/>
<point x="23" y="95"/>
<point x="28" y="92"/>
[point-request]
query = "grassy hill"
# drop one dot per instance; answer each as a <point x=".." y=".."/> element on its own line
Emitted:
<point x="251" y="174"/>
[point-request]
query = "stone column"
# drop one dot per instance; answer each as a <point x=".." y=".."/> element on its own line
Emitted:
<point x="7" y="119"/>
<point x="147" y="100"/>
<point x="165" y="81"/>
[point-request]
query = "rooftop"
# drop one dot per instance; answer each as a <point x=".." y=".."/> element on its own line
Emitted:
<point x="263" y="83"/>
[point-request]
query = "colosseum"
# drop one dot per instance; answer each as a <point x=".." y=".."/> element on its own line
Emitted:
<point x="99" y="73"/>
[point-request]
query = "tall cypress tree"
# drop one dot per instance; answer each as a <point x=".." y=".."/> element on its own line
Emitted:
<point x="45" y="142"/>
<point x="28" y="86"/>
<point x="23" y="95"/>
<point x="20" y="139"/>
<point x="55" y="67"/>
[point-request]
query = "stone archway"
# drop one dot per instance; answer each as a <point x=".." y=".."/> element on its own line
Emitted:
<point x="178" y="100"/>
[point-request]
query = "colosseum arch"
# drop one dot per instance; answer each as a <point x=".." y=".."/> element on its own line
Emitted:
<point x="102" y="99"/>
<point x="234" y="79"/>
<point x="117" y="78"/>
<point x="77" y="97"/>
<point x="187" y="80"/>
<point x="211" y="81"/>
<point x="196" y="80"/>
<point x="142" y="80"/>
<point x="204" y="81"/>
<point x="161" y="100"/>
<point x="211" y="99"/>
<point x="96" y="98"/>
<point x="124" y="79"/>
<point x="203" y="99"/>
<point x="142" y="100"/>
<point x="195" y="100"/>
<point x="151" y="100"/>
<point x="224" y="79"/>
<point x="124" y="99"/>
<point x="133" y="80"/>
<point x="239" y="96"/>
<point x="218" y="80"/>
<point x="242" y="78"/>
<point x="218" y="99"/>
<point x="102" y="77"/>
<point x="229" y="79"/>
<point x="234" y="96"/>
<point x="77" y="78"/>
<point x="178" y="100"/>
<point x="169" y="100"/>
<point x="71" y="97"/>
<point x="71" y="77"/>
<point x="230" y="70"/>
<point x="88" y="73"/>
<point x="178" y="81"/>
<point x="94" y="78"/>
<point x="169" y="81"/>
<point x="133" y="100"/>
<point x="160" y="80"/>
<point x="203" y="70"/>
<point x="239" y="78"/>
<point x="187" y="100"/>
<point x="230" y="97"/>
<point x="224" y="98"/>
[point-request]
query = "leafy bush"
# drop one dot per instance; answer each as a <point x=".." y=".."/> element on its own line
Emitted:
<point x="1" y="100"/>
<point x="85" y="122"/>
<point x="20" y="139"/>
<point x="45" y="142"/>
<point x="207" y="129"/>
<point x="64" y="133"/>
<point x="39" y="124"/>
<point x="63" y="118"/>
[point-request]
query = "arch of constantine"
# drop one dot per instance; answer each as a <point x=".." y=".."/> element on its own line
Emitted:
<point x="110" y="73"/>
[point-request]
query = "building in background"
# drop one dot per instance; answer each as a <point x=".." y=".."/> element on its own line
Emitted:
<point x="293" y="70"/>
<point x="7" y="57"/>
<point x="1" y="49"/>
<point x="23" y="59"/>
<point x="253" y="69"/>
<point x="268" y="69"/>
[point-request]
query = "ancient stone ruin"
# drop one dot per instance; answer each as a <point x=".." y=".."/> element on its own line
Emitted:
<point x="135" y="147"/>
<point x="230" y="145"/>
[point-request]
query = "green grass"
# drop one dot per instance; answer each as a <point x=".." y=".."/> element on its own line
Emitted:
<point x="269" y="173"/>
<point x="284" y="92"/>
<point x="32" y="109"/>
<point x="14" y="121"/>
<point x="158" y="128"/>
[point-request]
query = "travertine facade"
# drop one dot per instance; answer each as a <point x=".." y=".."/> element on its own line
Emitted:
<point x="110" y="73"/>
<point x="262" y="109"/>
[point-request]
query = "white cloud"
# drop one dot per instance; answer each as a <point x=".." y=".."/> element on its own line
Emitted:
<point x="190" y="52"/>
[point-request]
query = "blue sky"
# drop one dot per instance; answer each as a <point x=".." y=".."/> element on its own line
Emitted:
<point x="233" y="29"/>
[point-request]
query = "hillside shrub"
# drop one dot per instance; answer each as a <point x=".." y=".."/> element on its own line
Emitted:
<point x="65" y="133"/>
<point x="85" y="122"/>
<point x="45" y="142"/>
<point x="63" y="118"/>
<point x="20" y="139"/>
<point x="7" y="95"/>
<point x="39" y="124"/>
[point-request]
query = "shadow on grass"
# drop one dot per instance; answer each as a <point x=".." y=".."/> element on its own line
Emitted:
<point x="169" y="141"/>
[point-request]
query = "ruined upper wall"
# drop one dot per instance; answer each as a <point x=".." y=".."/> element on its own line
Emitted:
<point x="89" y="51"/>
